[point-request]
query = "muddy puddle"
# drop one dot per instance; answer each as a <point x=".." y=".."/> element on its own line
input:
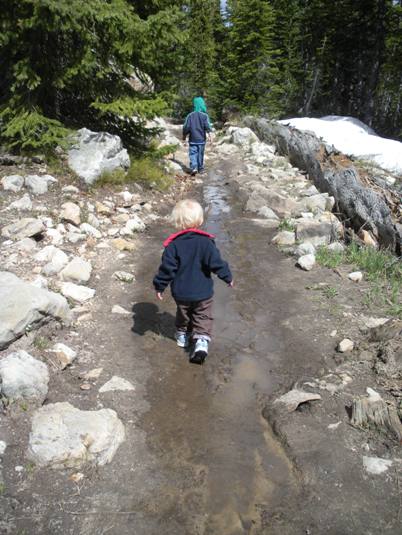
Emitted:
<point x="225" y="469"/>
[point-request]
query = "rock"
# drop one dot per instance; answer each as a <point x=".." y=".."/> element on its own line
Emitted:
<point x="306" y="262"/>
<point x="126" y="198"/>
<point x="22" y="376"/>
<point x="40" y="282"/>
<point x="27" y="245"/>
<point x="65" y="437"/>
<point x="23" y="306"/>
<point x="284" y="238"/>
<point x="123" y="245"/>
<point x="305" y="248"/>
<point x="77" y="270"/>
<point x="368" y="239"/>
<point x="93" y="374"/>
<point x="102" y="209"/>
<point x="39" y="184"/>
<point x="93" y="221"/>
<point x="70" y="189"/>
<point x="295" y="397"/>
<point x="12" y="183"/>
<point x="121" y="219"/>
<point x="75" y="237"/>
<point x="387" y="331"/>
<point x="24" y="203"/>
<point x="117" y="309"/>
<point x="26" y="227"/>
<point x="116" y="383"/>
<point x="242" y="137"/>
<point x="123" y="276"/>
<point x="336" y="247"/>
<point x="312" y="190"/>
<point x="95" y="153"/>
<point x="315" y="203"/>
<point x="64" y="354"/>
<point x="90" y="230"/>
<point x="174" y="168"/>
<point x="356" y="276"/>
<point x="345" y="346"/>
<point x="262" y="196"/>
<point x="376" y="465"/>
<point x="71" y="213"/>
<point x="56" y="259"/>
<point x="56" y="237"/>
<point x="76" y="292"/>
<point x="135" y="224"/>
<point x="315" y="232"/>
<point x="266" y="212"/>
<point x="3" y="447"/>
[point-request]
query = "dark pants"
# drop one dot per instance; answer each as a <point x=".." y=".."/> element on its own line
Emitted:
<point x="196" y="155"/>
<point x="195" y="317"/>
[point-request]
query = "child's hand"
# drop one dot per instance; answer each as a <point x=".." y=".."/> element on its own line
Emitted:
<point x="159" y="296"/>
<point x="231" y="284"/>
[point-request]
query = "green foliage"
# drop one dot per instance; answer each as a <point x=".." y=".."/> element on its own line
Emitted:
<point x="41" y="342"/>
<point x="30" y="131"/>
<point x="145" y="171"/>
<point x="287" y="224"/>
<point x="330" y="259"/>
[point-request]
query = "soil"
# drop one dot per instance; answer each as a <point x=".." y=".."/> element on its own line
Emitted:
<point x="206" y="451"/>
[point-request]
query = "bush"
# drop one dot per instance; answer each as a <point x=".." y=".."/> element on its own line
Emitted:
<point x="145" y="171"/>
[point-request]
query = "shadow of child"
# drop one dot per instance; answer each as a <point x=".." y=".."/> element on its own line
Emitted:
<point x="146" y="317"/>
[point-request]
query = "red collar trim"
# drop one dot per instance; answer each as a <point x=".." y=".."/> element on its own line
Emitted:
<point x="196" y="230"/>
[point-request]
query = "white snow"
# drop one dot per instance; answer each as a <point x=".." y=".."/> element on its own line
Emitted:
<point x="354" y="138"/>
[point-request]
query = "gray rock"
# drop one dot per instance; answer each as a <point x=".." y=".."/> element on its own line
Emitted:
<point x="116" y="383"/>
<point x="55" y="259"/>
<point x="22" y="376"/>
<point x="13" y="183"/>
<point x="295" y="397"/>
<point x="77" y="270"/>
<point x="39" y="184"/>
<point x="117" y="309"/>
<point x="70" y="189"/>
<point x="261" y="197"/>
<point x="89" y="230"/>
<point x="345" y="346"/>
<point x="27" y="227"/>
<point x="305" y="248"/>
<point x="24" y="203"/>
<point x="64" y="355"/>
<point x="315" y="203"/>
<point x="95" y="153"/>
<point x="65" y="437"/>
<point x="336" y="247"/>
<point x="315" y="232"/>
<point x="266" y="212"/>
<point x="242" y="137"/>
<point x="135" y="224"/>
<point x="376" y="465"/>
<point x="93" y="221"/>
<point x="27" y="245"/>
<point x="306" y="262"/>
<point x="71" y="213"/>
<point x="25" y="307"/>
<point x="76" y="292"/>
<point x="123" y="276"/>
<point x="356" y="276"/>
<point x="3" y="447"/>
<point x="284" y="238"/>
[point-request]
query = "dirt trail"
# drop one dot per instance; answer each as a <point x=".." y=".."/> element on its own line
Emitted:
<point x="199" y="458"/>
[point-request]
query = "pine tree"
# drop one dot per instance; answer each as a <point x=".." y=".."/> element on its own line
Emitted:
<point x="252" y="66"/>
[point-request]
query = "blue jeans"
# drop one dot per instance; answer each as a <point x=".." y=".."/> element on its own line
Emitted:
<point x="196" y="154"/>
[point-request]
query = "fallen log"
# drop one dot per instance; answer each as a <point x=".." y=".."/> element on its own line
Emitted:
<point x="360" y="206"/>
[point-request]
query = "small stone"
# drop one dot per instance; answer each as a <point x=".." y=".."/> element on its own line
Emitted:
<point x="23" y="376"/>
<point x="71" y="213"/>
<point x="368" y="239"/>
<point x="93" y="221"/>
<point x="75" y="237"/>
<point x="39" y="184"/>
<point x="116" y="383"/>
<point x="336" y="247"/>
<point x="19" y="468"/>
<point x="55" y="257"/>
<point x="70" y="189"/>
<point x="126" y="198"/>
<point x="306" y="262"/>
<point x="135" y="224"/>
<point x="27" y="245"/>
<point x="77" y="270"/>
<point x="3" y="447"/>
<point x="77" y="477"/>
<point x="123" y="245"/>
<point x="121" y="219"/>
<point x="102" y="209"/>
<point x="81" y="294"/>
<point x="40" y="282"/>
<point x="333" y="333"/>
<point x="117" y="309"/>
<point x="334" y="426"/>
<point x="90" y="230"/>
<point x="294" y="398"/>
<point x="27" y="227"/>
<point x="356" y="276"/>
<point x="64" y="354"/>
<point x="24" y="203"/>
<point x="284" y="238"/>
<point x="12" y="183"/>
<point x="345" y="346"/>
<point x="93" y="374"/>
<point x="376" y="465"/>
<point x="123" y="276"/>
<point x="305" y="248"/>
<point x="266" y="212"/>
<point x="85" y="386"/>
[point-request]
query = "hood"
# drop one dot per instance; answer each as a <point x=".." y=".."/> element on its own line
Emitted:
<point x="186" y="231"/>
<point x="199" y="104"/>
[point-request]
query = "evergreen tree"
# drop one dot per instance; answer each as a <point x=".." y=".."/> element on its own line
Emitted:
<point x="252" y="66"/>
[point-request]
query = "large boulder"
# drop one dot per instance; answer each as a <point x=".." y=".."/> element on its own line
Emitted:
<point x="65" y="437"/>
<point x="39" y="184"/>
<point x="12" y="183"/>
<point x="242" y="137"/>
<point x="22" y="376"/>
<point x="24" y="307"/>
<point x="96" y="152"/>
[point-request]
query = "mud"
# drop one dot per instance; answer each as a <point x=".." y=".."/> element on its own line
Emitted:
<point x="200" y="458"/>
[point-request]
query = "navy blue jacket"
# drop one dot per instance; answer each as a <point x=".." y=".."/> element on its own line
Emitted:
<point x="187" y="263"/>
<point x="196" y="126"/>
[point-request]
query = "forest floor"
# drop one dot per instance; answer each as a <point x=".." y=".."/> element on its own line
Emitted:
<point x="204" y="453"/>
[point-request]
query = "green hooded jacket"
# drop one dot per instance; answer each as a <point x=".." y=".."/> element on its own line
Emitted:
<point x="199" y="104"/>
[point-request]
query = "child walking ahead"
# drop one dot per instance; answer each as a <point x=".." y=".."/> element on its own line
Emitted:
<point x="189" y="258"/>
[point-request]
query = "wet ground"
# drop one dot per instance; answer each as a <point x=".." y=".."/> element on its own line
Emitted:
<point x="199" y="457"/>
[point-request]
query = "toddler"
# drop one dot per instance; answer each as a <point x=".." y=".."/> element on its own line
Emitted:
<point x="189" y="258"/>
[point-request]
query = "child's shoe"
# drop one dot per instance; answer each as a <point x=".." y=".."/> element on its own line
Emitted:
<point x="182" y="339"/>
<point x="200" y="351"/>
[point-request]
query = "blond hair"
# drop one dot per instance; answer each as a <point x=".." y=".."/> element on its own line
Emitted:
<point x="187" y="214"/>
